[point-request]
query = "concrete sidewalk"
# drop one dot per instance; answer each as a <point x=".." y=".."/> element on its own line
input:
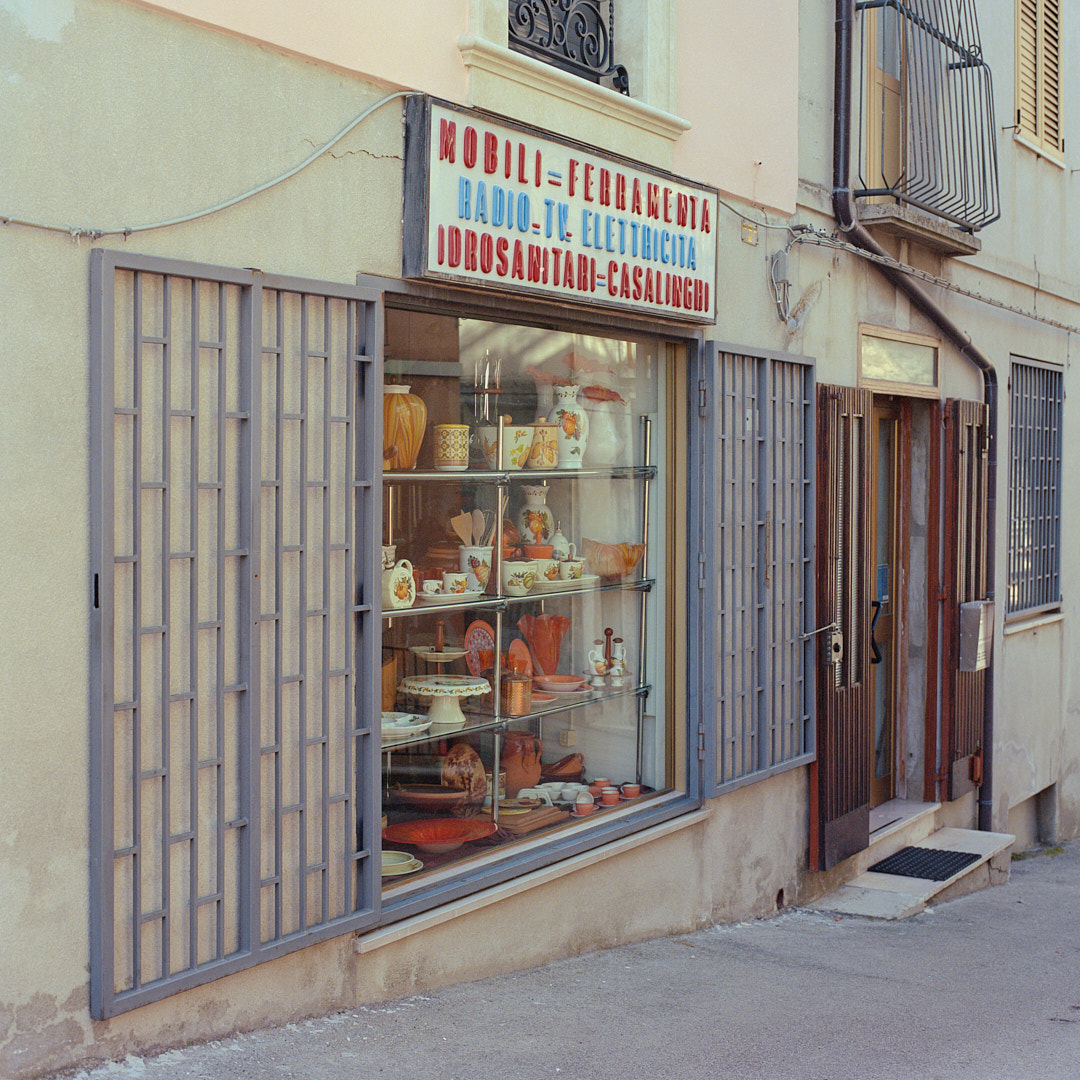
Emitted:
<point x="985" y="987"/>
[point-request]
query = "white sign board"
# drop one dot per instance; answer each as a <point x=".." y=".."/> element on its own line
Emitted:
<point x="493" y="203"/>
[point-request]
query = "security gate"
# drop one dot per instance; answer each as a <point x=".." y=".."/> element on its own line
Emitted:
<point x="235" y="444"/>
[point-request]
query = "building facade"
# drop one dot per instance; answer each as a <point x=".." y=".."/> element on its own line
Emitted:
<point x="396" y="295"/>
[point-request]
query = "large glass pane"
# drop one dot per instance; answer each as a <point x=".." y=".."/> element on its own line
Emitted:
<point x="521" y="619"/>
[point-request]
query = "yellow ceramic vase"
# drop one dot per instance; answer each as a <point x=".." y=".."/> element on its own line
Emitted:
<point x="404" y="421"/>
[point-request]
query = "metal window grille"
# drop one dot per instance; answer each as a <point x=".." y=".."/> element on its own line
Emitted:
<point x="235" y="443"/>
<point x="929" y="111"/>
<point x="570" y="34"/>
<point x="757" y="554"/>
<point x="1035" y="410"/>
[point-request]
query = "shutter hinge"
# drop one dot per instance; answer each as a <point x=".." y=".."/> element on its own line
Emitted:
<point x="701" y="570"/>
<point x="701" y="742"/>
<point x="701" y="397"/>
<point x="97" y="591"/>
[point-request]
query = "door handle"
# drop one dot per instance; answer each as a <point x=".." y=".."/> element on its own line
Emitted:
<point x="876" y="657"/>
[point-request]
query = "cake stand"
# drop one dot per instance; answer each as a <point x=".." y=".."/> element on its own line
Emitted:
<point x="446" y="693"/>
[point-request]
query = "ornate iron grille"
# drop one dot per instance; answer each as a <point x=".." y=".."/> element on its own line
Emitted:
<point x="926" y="116"/>
<point x="570" y="34"/>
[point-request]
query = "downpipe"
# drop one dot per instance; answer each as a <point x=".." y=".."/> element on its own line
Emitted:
<point x="847" y="220"/>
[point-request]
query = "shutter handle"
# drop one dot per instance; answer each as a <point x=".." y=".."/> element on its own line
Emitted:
<point x="876" y="658"/>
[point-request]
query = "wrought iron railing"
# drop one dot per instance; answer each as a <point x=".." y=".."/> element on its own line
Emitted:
<point x="570" y="34"/>
<point x="926" y="116"/>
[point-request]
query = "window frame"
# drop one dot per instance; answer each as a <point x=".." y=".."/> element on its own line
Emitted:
<point x="907" y="389"/>
<point x="1044" y="471"/>
<point x="1038" y="76"/>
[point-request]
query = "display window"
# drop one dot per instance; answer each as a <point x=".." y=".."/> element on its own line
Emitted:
<point x="523" y="593"/>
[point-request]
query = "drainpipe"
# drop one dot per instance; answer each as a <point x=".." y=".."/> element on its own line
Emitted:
<point x="847" y="219"/>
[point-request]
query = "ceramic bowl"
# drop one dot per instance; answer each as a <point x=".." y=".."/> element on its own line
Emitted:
<point x="557" y="683"/>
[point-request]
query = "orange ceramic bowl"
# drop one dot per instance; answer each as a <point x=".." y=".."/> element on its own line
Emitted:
<point x="438" y="835"/>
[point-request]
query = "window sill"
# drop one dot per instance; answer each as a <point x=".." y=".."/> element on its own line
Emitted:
<point x="1050" y="156"/>
<point x="608" y="109"/>
<point x="1021" y="623"/>
<point x="368" y="942"/>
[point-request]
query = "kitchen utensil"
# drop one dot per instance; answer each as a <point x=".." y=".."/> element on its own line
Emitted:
<point x="462" y="525"/>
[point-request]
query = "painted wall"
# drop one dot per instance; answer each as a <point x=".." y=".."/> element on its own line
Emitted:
<point x="118" y="115"/>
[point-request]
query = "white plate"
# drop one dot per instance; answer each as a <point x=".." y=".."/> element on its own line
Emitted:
<point x="401" y="869"/>
<point x="397" y="725"/>
<point x="448" y="598"/>
<point x="426" y="652"/>
<point x="586" y="581"/>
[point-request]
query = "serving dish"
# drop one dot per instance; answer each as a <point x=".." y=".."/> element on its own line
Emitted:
<point x="436" y="836"/>
<point x="448" y="598"/>
<point x="586" y="581"/>
<point x="400" y="725"/>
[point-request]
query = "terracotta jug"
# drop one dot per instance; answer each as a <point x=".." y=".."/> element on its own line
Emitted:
<point x="404" y="420"/>
<point x="544" y="634"/>
<point x="521" y="759"/>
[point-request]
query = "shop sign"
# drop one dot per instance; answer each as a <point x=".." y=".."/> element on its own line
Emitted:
<point x="490" y="202"/>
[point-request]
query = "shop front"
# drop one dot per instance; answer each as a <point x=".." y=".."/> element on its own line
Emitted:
<point x="391" y="579"/>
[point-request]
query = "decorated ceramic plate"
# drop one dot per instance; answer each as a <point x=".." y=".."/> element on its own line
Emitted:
<point x="586" y="581"/>
<point x="399" y="725"/>
<point x="439" y="835"/>
<point x="448" y="598"/>
<point x="518" y="658"/>
<point x="426" y="652"/>
<point x="479" y="644"/>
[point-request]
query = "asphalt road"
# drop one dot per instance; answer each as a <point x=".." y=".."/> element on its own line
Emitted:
<point x="984" y="987"/>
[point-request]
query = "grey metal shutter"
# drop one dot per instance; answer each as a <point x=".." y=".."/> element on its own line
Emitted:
<point x="756" y="438"/>
<point x="235" y="502"/>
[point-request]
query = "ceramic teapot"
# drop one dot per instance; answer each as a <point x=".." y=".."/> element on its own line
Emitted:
<point x="521" y="759"/>
<point x="561" y="548"/>
<point x="398" y="586"/>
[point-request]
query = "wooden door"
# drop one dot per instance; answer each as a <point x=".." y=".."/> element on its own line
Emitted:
<point x="840" y="778"/>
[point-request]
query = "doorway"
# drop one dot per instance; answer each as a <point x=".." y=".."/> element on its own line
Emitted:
<point x="886" y="594"/>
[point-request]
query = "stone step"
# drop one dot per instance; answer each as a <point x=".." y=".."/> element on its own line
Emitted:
<point x="890" y="896"/>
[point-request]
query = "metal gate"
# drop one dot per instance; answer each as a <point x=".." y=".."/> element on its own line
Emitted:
<point x="235" y="450"/>
<point x="756" y="557"/>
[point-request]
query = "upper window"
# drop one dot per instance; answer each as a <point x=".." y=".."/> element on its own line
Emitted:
<point x="1035" y="406"/>
<point x="926" y="119"/>
<point x="894" y="361"/>
<point x="1038" y="73"/>
<point x="575" y="35"/>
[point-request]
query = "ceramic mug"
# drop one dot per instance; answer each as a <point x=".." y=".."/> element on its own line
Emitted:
<point x="432" y="587"/>
<point x="476" y="562"/>
<point x="451" y="447"/>
<point x="571" y="569"/>
<point x="547" y="569"/>
<point x="609" y="796"/>
<point x="518" y="577"/>
<point x="454" y="584"/>
<point x="631" y="791"/>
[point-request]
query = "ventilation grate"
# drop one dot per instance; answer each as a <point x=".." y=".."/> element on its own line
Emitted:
<point x="931" y="864"/>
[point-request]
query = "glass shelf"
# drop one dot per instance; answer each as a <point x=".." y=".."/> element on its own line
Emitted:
<point x="485" y="721"/>
<point x="526" y="476"/>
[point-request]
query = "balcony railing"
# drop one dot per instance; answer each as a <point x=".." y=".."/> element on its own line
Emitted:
<point x="926" y="117"/>
<point x="570" y="34"/>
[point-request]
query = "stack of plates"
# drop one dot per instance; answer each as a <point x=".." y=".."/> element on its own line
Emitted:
<point x="399" y="863"/>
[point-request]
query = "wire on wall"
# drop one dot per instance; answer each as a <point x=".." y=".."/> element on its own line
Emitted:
<point x="77" y="232"/>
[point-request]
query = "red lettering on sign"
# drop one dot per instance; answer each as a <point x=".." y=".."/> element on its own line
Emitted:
<point x="468" y="147"/>
<point x="470" y="249"/>
<point x="534" y="262"/>
<point x="605" y="187"/>
<point x="649" y="295"/>
<point x="571" y="177"/>
<point x="612" y="272"/>
<point x="667" y="204"/>
<point x="453" y="246"/>
<point x="620" y="191"/>
<point x="517" y="267"/>
<point x="682" y="204"/>
<point x="539" y="168"/>
<point x="635" y="197"/>
<point x="587" y="193"/>
<point x="654" y="200"/>
<point x="502" y="263"/>
<point x="706" y="225"/>
<point x="447" y="140"/>
<point x="523" y="176"/>
<point x="693" y="211"/>
<point x="624" y="282"/>
<point x="441" y="245"/>
<point x="491" y="152"/>
<point x="487" y="252"/>
<point x="637" y="283"/>
<point x="508" y="159"/>
<point x="568" y="269"/>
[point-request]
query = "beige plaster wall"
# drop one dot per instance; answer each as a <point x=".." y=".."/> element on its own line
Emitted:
<point x="737" y="84"/>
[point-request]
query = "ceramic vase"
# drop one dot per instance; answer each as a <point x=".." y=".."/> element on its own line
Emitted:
<point x="404" y="421"/>
<point x="605" y="443"/>
<point x="573" y="423"/>
<point x="536" y="523"/>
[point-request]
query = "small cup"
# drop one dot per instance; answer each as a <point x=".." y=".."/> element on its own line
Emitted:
<point x="571" y="569"/>
<point x="451" y="447"/>
<point x="601" y="782"/>
<point x="432" y="587"/>
<point x="388" y="553"/>
<point x="631" y="791"/>
<point x="583" y="808"/>
<point x="609" y="796"/>
<point x="518" y="577"/>
<point x="547" y="569"/>
<point x="454" y="584"/>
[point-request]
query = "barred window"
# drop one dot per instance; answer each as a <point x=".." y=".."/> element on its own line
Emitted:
<point x="1035" y="407"/>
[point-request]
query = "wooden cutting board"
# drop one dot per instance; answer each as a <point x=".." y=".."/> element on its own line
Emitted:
<point x="518" y="824"/>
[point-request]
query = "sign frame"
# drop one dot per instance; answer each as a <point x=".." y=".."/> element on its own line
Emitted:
<point x="624" y="256"/>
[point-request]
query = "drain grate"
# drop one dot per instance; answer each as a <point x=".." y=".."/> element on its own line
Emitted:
<point x="923" y="862"/>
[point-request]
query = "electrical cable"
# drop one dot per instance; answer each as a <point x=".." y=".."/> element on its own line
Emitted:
<point x="76" y="232"/>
